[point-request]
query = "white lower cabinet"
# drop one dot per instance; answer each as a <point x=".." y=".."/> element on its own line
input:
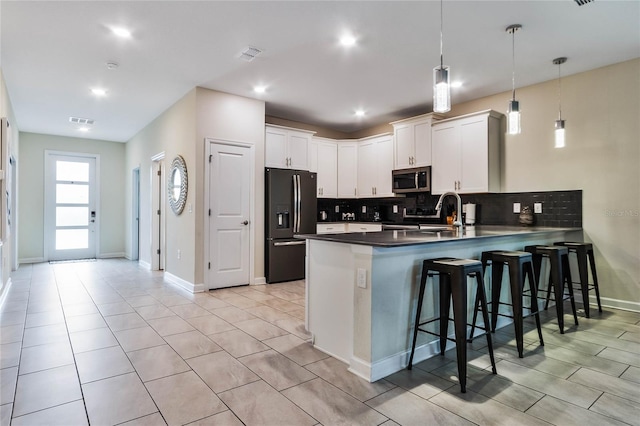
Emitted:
<point x="344" y="227"/>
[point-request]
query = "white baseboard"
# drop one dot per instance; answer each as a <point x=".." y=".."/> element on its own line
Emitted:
<point x="607" y="302"/>
<point x="144" y="265"/>
<point x="110" y="255"/>
<point x="259" y="281"/>
<point x="31" y="260"/>
<point x="183" y="284"/>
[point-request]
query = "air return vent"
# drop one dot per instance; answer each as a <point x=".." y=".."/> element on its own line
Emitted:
<point x="83" y="121"/>
<point x="583" y="2"/>
<point x="250" y="53"/>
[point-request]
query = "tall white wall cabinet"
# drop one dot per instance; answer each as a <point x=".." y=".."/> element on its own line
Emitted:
<point x="466" y="153"/>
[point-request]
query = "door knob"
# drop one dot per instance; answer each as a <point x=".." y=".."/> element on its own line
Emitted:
<point x="246" y="222"/>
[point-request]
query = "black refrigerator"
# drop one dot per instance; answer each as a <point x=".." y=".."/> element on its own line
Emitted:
<point x="291" y="209"/>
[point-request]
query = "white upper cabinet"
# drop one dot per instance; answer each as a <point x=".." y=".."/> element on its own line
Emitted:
<point x="323" y="159"/>
<point x="375" y="163"/>
<point x="412" y="141"/>
<point x="466" y="153"/>
<point x="286" y="148"/>
<point x="347" y="169"/>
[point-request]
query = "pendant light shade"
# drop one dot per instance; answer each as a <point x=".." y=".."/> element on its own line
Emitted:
<point x="441" y="83"/>
<point x="441" y="89"/>
<point x="559" y="127"/>
<point x="513" y="112"/>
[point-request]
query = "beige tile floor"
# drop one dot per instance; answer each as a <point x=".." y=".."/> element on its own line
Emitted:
<point x="108" y="342"/>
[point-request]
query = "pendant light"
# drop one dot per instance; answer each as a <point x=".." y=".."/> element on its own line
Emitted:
<point x="559" y="132"/>
<point x="441" y="86"/>
<point x="513" y="112"/>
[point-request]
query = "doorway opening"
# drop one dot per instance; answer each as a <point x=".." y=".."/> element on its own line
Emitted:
<point x="135" y="214"/>
<point x="158" y="209"/>
<point x="71" y="206"/>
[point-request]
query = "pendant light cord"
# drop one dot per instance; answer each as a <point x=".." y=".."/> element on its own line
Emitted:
<point x="559" y="93"/>
<point x="513" y="62"/>
<point x="441" y="55"/>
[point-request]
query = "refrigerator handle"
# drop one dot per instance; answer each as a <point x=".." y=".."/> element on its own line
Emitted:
<point x="299" y="203"/>
<point x="295" y="204"/>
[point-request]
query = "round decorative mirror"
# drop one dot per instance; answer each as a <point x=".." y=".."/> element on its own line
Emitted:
<point x="178" y="184"/>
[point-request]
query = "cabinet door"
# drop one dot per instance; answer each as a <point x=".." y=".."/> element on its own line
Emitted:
<point x="404" y="151"/>
<point x="275" y="148"/>
<point x="422" y="137"/>
<point x="445" y="151"/>
<point x="327" y="170"/>
<point x="367" y="168"/>
<point x="384" y="153"/>
<point x="313" y="155"/>
<point x="474" y="156"/>
<point x="298" y="149"/>
<point x="347" y="169"/>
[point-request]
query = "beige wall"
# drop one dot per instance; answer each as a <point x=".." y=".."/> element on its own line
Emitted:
<point x="172" y="133"/>
<point x="31" y="189"/>
<point x="182" y="130"/>
<point x="602" y="157"/>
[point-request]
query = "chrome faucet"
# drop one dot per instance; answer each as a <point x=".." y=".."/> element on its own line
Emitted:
<point x="458" y="221"/>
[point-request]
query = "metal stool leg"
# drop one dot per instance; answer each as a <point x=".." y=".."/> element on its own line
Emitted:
<point x="594" y="274"/>
<point x="423" y="281"/>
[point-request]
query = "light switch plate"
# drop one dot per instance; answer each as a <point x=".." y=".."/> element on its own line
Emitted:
<point x="361" y="279"/>
<point x="516" y="207"/>
<point x="395" y="209"/>
<point x="537" y="207"/>
<point x="337" y="210"/>
<point x="364" y="209"/>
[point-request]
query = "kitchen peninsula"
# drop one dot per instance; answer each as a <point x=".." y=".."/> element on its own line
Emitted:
<point x="362" y="288"/>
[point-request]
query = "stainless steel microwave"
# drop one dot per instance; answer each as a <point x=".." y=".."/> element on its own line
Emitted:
<point x="412" y="180"/>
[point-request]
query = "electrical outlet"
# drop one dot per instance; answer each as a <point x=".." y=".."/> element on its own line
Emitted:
<point x="337" y="210"/>
<point x="395" y="209"/>
<point x="179" y="254"/>
<point x="361" y="279"/>
<point x="537" y="207"/>
<point x="516" y="207"/>
<point x="364" y="209"/>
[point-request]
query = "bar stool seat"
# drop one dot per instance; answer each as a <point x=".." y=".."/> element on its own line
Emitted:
<point x="584" y="255"/>
<point x="560" y="275"/>
<point x="453" y="275"/>
<point x="520" y="265"/>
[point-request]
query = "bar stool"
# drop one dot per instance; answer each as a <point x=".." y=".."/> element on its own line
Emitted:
<point x="453" y="275"/>
<point x="559" y="275"/>
<point x="520" y="265"/>
<point x="584" y="253"/>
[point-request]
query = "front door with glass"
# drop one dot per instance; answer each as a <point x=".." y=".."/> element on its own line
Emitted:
<point x="71" y="215"/>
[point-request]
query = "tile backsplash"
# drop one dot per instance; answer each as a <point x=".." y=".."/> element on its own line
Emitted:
<point x="559" y="208"/>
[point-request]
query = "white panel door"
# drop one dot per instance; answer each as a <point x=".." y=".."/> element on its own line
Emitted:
<point x="70" y="205"/>
<point x="230" y="204"/>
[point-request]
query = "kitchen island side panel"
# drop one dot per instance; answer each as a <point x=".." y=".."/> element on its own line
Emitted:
<point x="379" y="318"/>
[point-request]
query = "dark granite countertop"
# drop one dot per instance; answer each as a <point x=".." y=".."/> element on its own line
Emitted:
<point x="397" y="238"/>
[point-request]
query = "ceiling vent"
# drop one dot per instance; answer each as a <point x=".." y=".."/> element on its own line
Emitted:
<point x="250" y="53"/>
<point x="83" y="121"/>
<point x="583" y="2"/>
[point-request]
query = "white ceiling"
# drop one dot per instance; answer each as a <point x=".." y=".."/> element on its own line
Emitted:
<point x="53" y="52"/>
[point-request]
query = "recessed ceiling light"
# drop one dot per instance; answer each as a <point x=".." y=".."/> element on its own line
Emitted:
<point x="359" y="113"/>
<point x="348" y="40"/>
<point x="121" y="32"/>
<point x="83" y="129"/>
<point x="259" y="89"/>
<point x="456" y="84"/>
<point x="98" y="91"/>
